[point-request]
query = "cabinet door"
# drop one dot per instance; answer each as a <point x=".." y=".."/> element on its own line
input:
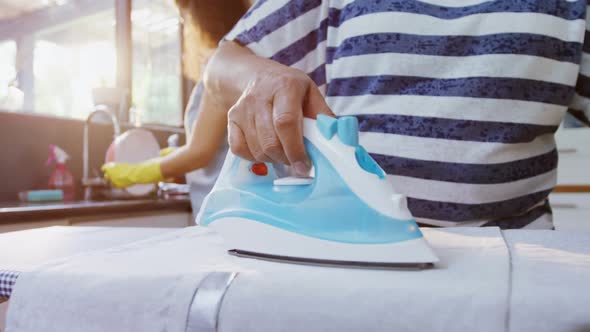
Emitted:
<point x="19" y="226"/>
<point x="573" y="146"/>
<point x="571" y="212"/>
<point x="168" y="220"/>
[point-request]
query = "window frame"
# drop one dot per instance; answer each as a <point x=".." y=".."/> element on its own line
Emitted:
<point x="124" y="45"/>
<point x="15" y="29"/>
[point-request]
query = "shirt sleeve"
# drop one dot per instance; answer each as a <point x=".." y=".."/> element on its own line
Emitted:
<point x="290" y="32"/>
<point x="579" y="109"/>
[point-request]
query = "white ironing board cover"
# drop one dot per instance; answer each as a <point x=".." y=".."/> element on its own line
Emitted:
<point x="151" y="284"/>
<point x="466" y="291"/>
<point x="550" y="281"/>
<point x="469" y="290"/>
<point x="24" y="250"/>
<point x="146" y="285"/>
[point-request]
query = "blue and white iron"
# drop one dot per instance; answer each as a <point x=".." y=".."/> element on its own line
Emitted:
<point x="347" y="214"/>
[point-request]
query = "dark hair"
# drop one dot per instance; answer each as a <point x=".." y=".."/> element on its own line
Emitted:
<point x="206" y="22"/>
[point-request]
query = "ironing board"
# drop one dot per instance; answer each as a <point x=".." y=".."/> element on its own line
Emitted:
<point x="548" y="276"/>
<point x="22" y="251"/>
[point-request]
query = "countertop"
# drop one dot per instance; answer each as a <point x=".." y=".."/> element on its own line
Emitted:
<point x="11" y="212"/>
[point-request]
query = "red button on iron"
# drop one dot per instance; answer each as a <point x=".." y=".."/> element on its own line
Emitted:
<point x="259" y="169"/>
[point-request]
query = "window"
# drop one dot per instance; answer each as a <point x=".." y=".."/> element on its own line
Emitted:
<point x="60" y="51"/>
<point x="70" y="61"/>
<point x="157" y="72"/>
<point x="60" y="56"/>
<point x="11" y="98"/>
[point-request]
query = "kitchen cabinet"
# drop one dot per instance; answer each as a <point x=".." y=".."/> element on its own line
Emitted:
<point x="167" y="213"/>
<point x="571" y="199"/>
<point x="12" y="227"/>
<point x="571" y="211"/>
<point x="573" y="146"/>
<point x="167" y="220"/>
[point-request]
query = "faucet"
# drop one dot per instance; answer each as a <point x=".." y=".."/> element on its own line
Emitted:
<point x="88" y="182"/>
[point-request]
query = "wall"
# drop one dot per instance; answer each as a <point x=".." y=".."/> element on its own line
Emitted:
<point x="24" y="148"/>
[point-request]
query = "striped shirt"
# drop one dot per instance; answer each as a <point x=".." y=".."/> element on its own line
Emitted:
<point x="458" y="101"/>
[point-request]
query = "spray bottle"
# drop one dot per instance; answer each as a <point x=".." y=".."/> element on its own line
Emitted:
<point x="61" y="178"/>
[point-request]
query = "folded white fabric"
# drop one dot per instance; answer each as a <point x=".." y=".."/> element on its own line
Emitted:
<point x="149" y="286"/>
<point x="22" y="251"/>
<point x="550" y="281"/>
<point x="145" y="286"/>
<point x="467" y="291"/>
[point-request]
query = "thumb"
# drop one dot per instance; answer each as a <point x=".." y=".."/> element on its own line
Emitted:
<point x="315" y="104"/>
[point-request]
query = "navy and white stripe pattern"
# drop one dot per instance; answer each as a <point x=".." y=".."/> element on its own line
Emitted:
<point x="458" y="101"/>
<point x="7" y="281"/>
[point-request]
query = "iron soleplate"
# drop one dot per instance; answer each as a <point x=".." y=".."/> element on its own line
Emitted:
<point x="330" y="262"/>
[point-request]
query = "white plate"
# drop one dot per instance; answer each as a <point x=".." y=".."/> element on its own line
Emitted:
<point x="135" y="146"/>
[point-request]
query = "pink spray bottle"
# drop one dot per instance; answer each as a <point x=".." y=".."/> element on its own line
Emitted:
<point x="61" y="178"/>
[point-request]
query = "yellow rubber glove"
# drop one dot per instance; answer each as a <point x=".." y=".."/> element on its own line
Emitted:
<point x="123" y="175"/>
<point x="166" y="151"/>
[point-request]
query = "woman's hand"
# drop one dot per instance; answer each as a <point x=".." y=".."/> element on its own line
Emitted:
<point x="266" y="121"/>
<point x="123" y="175"/>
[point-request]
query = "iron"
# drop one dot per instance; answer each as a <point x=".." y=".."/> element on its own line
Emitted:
<point x="346" y="214"/>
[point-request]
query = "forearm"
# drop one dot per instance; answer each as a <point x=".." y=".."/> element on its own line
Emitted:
<point x="207" y="135"/>
<point x="180" y="162"/>
<point x="227" y="73"/>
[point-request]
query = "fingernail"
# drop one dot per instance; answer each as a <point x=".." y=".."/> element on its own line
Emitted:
<point x="301" y="168"/>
